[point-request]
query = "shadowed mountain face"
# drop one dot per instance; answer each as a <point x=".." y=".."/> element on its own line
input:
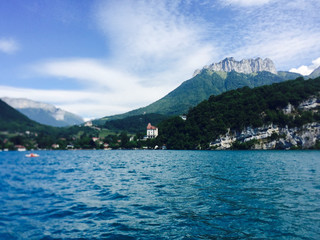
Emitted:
<point x="44" y="113"/>
<point x="214" y="79"/>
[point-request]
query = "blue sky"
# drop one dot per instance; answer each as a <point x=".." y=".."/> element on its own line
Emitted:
<point x="99" y="58"/>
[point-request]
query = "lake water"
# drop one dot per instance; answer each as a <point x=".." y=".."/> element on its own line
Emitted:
<point x="160" y="195"/>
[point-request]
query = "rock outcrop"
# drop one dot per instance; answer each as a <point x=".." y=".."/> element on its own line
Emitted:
<point x="276" y="137"/>
<point x="272" y="137"/>
<point x="244" y="66"/>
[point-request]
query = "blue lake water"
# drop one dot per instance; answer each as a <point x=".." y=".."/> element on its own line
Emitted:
<point x="160" y="195"/>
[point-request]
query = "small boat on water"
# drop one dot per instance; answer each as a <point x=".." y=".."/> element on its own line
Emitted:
<point x="32" y="155"/>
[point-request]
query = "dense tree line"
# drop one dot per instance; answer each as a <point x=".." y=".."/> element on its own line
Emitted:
<point x="237" y="109"/>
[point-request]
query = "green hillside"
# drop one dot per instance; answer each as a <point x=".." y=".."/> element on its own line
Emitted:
<point x="11" y="119"/>
<point x="201" y="87"/>
<point x="237" y="109"/>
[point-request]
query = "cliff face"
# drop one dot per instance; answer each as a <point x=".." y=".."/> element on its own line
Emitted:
<point x="276" y="137"/>
<point x="272" y="137"/>
<point x="244" y="66"/>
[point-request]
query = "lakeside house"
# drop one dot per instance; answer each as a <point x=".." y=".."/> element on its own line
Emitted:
<point x="55" y="146"/>
<point x="152" y="131"/>
<point x="20" y="148"/>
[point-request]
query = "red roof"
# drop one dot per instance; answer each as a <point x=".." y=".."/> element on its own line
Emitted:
<point x="150" y="127"/>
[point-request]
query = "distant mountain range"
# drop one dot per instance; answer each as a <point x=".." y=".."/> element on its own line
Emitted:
<point x="213" y="79"/>
<point x="43" y="113"/>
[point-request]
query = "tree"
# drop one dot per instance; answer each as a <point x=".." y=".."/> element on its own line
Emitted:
<point x="124" y="139"/>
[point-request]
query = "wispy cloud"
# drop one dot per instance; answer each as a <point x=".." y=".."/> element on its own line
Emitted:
<point x="246" y="3"/>
<point x="91" y="73"/>
<point x="285" y="31"/>
<point x="87" y="103"/>
<point x="155" y="47"/>
<point x="306" y="70"/>
<point x="8" y="45"/>
<point x="155" y="37"/>
<point x="107" y="90"/>
<point x="284" y="49"/>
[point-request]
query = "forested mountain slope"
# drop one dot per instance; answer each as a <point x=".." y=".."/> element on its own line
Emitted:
<point x="237" y="109"/>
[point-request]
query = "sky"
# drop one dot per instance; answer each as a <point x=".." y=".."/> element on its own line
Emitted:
<point x="103" y="57"/>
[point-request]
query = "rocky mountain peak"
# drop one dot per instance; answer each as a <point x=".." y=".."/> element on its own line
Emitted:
<point x="244" y="66"/>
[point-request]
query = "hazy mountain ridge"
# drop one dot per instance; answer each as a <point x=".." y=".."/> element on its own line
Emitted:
<point x="315" y="73"/>
<point x="43" y="113"/>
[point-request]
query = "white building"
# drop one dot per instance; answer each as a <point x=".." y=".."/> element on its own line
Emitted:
<point x="152" y="132"/>
<point x="88" y="124"/>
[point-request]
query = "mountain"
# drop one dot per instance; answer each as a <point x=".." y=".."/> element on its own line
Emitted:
<point x="11" y="119"/>
<point x="244" y="66"/>
<point x="44" y="113"/>
<point x="212" y="80"/>
<point x="16" y="130"/>
<point x="288" y="75"/>
<point x="315" y="73"/>
<point x="282" y="115"/>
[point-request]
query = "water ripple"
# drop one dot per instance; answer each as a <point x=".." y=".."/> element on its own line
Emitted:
<point x="160" y="195"/>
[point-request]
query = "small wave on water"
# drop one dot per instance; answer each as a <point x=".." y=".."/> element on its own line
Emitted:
<point x="160" y="195"/>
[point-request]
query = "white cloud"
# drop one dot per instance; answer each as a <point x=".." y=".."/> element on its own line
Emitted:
<point x="85" y="103"/>
<point x="246" y="3"/>
<point x="8" y="45"/>
<point x="155" y="47"/>
<point x="280" y="30"/>
<point x="303" y="70"/>
<point x="106" y="90"/>
<point x="283" y="49"/>
<point x="92" y="73"/>
<point x="307" y="70"/>
<point x="154" y="37"/>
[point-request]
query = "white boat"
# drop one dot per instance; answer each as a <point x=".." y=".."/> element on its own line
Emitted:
<point x="32" y="155"/>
